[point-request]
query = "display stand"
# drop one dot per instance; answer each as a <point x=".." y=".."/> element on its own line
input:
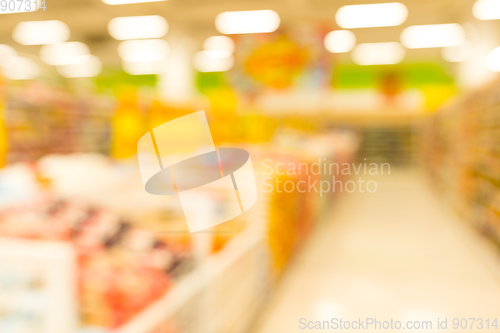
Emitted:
<point x="223" y="294"/>
<point x="37" y="286"/>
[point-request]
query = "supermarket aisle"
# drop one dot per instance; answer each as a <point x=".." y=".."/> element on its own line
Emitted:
<point x="392" y="254"/>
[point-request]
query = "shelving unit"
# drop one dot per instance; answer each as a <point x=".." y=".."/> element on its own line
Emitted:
<point x="462" y="155"/>
<point x="37" y="286"/>
<point x="42" y="121"/>
<point x="222" y="295"/>
<point x="395" y="145"/>
<point x="117" y="231"/>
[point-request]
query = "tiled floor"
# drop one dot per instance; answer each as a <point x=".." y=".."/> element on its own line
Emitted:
<point x="394" y="254"/>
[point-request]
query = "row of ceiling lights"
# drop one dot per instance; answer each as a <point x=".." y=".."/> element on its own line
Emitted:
<point x="450" y="37"/>
<point x="144" y="52"/>
<point x="71" y="59"/>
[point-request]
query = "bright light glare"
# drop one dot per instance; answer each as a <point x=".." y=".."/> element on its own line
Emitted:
<point x="493" y="60"/>
<point x="378" y="53"/>
<point x="143" y="50"/>
<point x="21" y="68"/>
<point x="89" y="68"/>
<point x="247" y="22"/>
<point x="138" y="27"/>
<point x="65" y="53"/>
<point x="486" y="9"/>
<point x="204" y="62"/>
<point x="41" y="32"/>
<point x="432" y="35"/>
<point x="326" y="309"/>
<point x="127" y="2"/>
<point x="340" y="41"/>
<point x="372" y="15"/>
<point x="457" y="53"/>
<point x="219" y="46"/>
<point x="144" y="67"/>
<point x="6" y="52"/>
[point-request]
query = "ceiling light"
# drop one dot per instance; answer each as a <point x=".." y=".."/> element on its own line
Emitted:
<point x="204" y="62"/>
<point x="493" y="60"/>
<point x="457" y="53"/>
<point x="91" y="67"/>
<point x="143" y="50"/>
<point x="41" y="32"/>
<point x="64" y="53"/>
<point x="372" y="15"/>
<point x="138" y="27"/>
<point x="432" y="35"/>
<point x="486" y="9"/>
<point x="247" y="22"/>
<point x="127" y="2"/>
<point x="378" y="53"/>
<point x="340" y="41"/>
<point x="219" y="46"/>
<point x="21" y="68"/>
<point x="6" y="52"/>
<point x="144" y="67"/>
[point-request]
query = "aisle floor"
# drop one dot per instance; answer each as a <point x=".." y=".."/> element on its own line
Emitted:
<point x="395" y="254"/>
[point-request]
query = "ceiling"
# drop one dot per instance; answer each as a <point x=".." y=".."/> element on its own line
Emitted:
<point x="88" y="19"/>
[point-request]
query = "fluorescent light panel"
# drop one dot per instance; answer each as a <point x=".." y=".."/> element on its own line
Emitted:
<point x="143" y="50"/>
<point x="372" y="15"/>
<point x="486" y="9"/>
<point x="432" y="35"/>
<point x="247" y="22"/>
<point x="21" y="68"/>
<point x="219" y="46"/>
<point x="89" y="68"/>
<point x="144" y="67"/>
<point x="6" y="52"/>
<point x="41" y="32"/>
<point x="340" y="41"/>
<point x="493" y="60"/>
<point x="65" y="53"/>
<point x="138" y="27"/>
<point x="378" y="53"/>
<point x="204" y="61"/>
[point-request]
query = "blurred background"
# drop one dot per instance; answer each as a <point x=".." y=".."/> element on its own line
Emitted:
<point x="374" y="134"/>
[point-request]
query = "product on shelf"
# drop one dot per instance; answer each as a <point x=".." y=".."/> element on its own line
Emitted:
<point x="462" y="155"/>
<point x="137" y="268"/>
<point x="122" y="268"/>
<point x="293" y="205"/>
<point x="42" y="119"/>
<point x="37" y="291"/>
